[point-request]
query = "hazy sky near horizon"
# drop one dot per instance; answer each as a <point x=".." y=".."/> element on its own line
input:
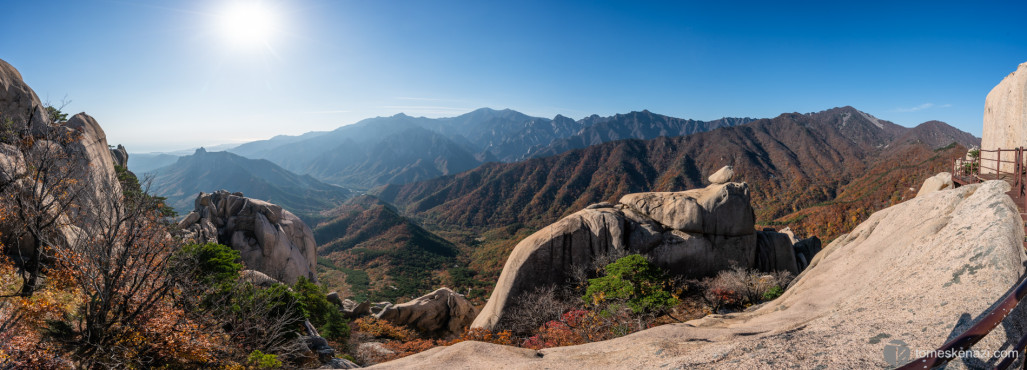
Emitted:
<point x="167" y="75"/>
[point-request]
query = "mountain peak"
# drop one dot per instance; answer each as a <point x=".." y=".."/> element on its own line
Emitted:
<point x="848" y="113"/>
<point x="261" y="179"/>
<point x="490" y="111"/>
<point x="840" y="110"/>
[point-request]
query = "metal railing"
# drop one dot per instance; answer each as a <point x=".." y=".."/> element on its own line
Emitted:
<point x="978" y="331"/>
<point x="1008" y="165"/>
<point x="972" y="170"/>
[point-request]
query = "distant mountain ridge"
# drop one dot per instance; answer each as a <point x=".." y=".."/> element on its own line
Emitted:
<point x="210" y="171"/>
<point x="635" y="125"/>
<point x="402" y="149"/>
<point x="368" y="153"/>
<point x="840" y="163"/>
<point x="143" y="163"/>
<point x="794" y="159"/>
<point x="936" y="134"/>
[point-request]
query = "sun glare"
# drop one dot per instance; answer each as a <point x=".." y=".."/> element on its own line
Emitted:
<point x="248" y="24"/>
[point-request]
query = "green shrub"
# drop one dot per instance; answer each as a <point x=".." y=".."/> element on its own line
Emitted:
<point x="635" y="280"/>
<point x="260" y="360"/>
<point x="274" y="301"/>
<point x="215" y="263"/>
<point x="324" y="315"/>
<point x="773" y="293"/>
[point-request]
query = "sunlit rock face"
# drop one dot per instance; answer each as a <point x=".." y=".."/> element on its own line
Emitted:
<point x="1005" y="117"/>
<point x="270" y="239"/>
<point x="18" y="103"/>
<point x="441" y="313"/>
<point x="76" y="149"/>
<point x="934" y="183"/>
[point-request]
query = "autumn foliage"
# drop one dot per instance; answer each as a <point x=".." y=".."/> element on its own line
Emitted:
<point x="379" y="328"/>
<point x="90" y="278"/>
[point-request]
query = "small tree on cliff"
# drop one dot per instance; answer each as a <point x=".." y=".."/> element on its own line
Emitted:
<point x="55" y="114"/>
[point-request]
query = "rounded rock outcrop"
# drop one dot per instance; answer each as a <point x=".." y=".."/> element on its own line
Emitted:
<point x="269" y="239"/>
<point x="934" y="183"/>
<point x="120" y="156"/>
<point x="693" y="233"/>
<point x="722" y="176"/>
<point x="18" y="102"/>
<point x="76" y="149"/>
<point x="442" y="313"/>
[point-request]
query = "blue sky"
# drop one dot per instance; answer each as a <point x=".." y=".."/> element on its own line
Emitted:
<point x="162" y="75"/>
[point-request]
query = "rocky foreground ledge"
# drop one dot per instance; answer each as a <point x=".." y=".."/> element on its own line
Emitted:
<point x="919" y="272"/>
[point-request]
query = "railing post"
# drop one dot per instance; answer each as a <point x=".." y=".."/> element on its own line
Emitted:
<point x="1016" y="168"/>
<point x="980" y="164"/>
<point x="1023" y="187"/>
<point x="1019" y="169"/>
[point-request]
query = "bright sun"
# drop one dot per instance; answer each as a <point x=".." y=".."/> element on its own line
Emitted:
<point x="248" y="24"/>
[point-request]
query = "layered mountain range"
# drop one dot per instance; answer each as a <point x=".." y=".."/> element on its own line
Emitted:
<point x="795" y="159"/>
<point x="206" y="171"/>
<point x="402" y="149"/>
<point x="817" y="172"/>
<point x="793" y="162"/>
<point x="390" y="150"/>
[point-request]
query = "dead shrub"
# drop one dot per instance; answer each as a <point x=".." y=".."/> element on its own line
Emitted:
<point x="740" y="287"/>
<point x="534" y="308"/>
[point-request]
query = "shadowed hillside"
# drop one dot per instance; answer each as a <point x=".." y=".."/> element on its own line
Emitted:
<point x="372" y="152"/>
<point x="210" y="171"/>
<point x="894" y="178"/>
<point x="371" y="252"/>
